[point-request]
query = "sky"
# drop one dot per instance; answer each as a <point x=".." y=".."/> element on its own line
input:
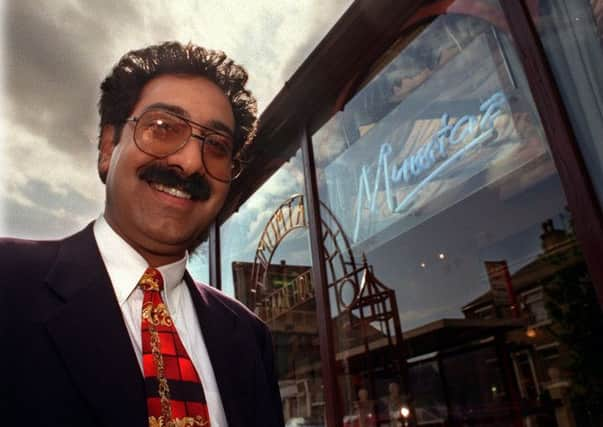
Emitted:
<point x="57" y="52"/>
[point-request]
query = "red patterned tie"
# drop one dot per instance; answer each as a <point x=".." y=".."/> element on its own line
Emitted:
<point x="175" y="395"/>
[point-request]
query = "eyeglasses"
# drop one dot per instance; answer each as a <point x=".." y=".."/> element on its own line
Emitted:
<point x="160" y="133"/>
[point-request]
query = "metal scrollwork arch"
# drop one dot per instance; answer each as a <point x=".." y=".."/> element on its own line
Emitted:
<point x="339" y="259"/>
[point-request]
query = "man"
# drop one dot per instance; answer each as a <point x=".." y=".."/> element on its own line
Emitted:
<point x="106" y="328"/>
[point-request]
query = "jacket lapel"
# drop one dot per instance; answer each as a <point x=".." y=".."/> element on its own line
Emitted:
<point x="225" y="337"/>
<point x="91" y="336"/>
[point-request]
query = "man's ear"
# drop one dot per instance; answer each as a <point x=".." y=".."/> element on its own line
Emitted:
<point x="105" y="149"/>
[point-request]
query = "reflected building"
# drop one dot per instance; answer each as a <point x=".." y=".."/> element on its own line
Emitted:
<point x="539" y="358"/>
<point x="510" y="352"/>
<point x="286" y="303"/>
<point x="369" y="323"/>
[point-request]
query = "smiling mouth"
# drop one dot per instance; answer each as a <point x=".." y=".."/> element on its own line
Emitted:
<point x="172" y="191"/>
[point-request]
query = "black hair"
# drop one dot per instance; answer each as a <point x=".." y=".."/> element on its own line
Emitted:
<point x="121" y="88"/>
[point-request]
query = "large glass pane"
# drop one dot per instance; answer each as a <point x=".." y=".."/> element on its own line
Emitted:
<point x="198" y="263"/>
<point x="571" y="32"/>
<point x="458" y="292"/>
<point x="266" y="264"/>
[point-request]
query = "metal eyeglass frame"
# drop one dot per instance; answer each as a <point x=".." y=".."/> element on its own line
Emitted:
<point x="236" y="162"/>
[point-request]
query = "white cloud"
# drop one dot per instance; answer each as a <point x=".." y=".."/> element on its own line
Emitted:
<point x="57" y="52"/>
<point x="56" y="168"/>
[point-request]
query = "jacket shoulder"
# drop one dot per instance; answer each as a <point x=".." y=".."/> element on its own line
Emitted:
<point x="20" y="256"/>
<point x="236" y="306"/>
<point x="232" y="303"/>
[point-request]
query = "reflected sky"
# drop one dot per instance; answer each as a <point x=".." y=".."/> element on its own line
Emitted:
<point x="240" y="234"/>
<point x="487" y="205"/>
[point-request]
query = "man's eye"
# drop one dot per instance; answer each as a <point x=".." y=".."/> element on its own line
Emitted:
<point x="161" y="125"/>
<point x="161" y="128"/>
<point x="217" y="145"/>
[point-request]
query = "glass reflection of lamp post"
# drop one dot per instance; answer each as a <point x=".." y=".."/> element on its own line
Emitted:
<point x="405" y="412"/>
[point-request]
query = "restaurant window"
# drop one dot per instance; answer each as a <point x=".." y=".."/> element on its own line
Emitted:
<point x="266" y="264"/>
<point x="425" y="379"/>
<point x="571" y="32"/>
<point x="533" y="306"/>
<point x="455" y="239"/>
<point x="475" y="380"/>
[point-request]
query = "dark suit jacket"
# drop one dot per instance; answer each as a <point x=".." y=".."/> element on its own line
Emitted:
<point x="66" y="358"/>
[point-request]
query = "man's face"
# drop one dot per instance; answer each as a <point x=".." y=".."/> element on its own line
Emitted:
<point x="160" y="225"/>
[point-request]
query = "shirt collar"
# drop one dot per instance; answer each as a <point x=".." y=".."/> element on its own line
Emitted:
<point x="125" y="266"/>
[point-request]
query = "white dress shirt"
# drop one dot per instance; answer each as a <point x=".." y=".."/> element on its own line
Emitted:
<point x="125" y="267"/>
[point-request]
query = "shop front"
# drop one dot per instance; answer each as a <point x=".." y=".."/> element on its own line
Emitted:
<point x="421" y="224"/>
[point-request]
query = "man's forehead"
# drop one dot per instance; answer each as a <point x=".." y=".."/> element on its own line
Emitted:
<point x="187" y="95"/>
<point x="179" y="111"/>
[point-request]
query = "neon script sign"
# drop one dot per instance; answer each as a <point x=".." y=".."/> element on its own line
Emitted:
<point x="442" y="150"/>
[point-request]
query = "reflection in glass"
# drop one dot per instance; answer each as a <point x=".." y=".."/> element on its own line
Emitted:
<point x="266" y="264"/>
<point x="438" y="176"/>
<point x="198" y="263"/>
<point x="571" y="32"/>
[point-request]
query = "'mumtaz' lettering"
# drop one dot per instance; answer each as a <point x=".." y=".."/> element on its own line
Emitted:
<point x="420" y="164"/>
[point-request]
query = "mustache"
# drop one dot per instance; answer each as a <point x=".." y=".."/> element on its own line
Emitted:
<point x="196" y="185"/>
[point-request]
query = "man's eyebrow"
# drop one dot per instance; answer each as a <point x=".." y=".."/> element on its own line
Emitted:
<point x="171" y="108"/>
<point x="218" y="125"/>
<point x="211" y="124"/>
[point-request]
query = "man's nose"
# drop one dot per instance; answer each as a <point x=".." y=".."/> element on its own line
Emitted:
<point x="188" y="158"/>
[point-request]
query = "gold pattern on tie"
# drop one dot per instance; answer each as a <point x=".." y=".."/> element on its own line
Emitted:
<point x="175" y="396"/>
<point x="150" y="282"/>
<point x="156" y="315"/>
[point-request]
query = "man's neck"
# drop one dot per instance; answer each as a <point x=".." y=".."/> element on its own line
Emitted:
<point x="153" y="258"/>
